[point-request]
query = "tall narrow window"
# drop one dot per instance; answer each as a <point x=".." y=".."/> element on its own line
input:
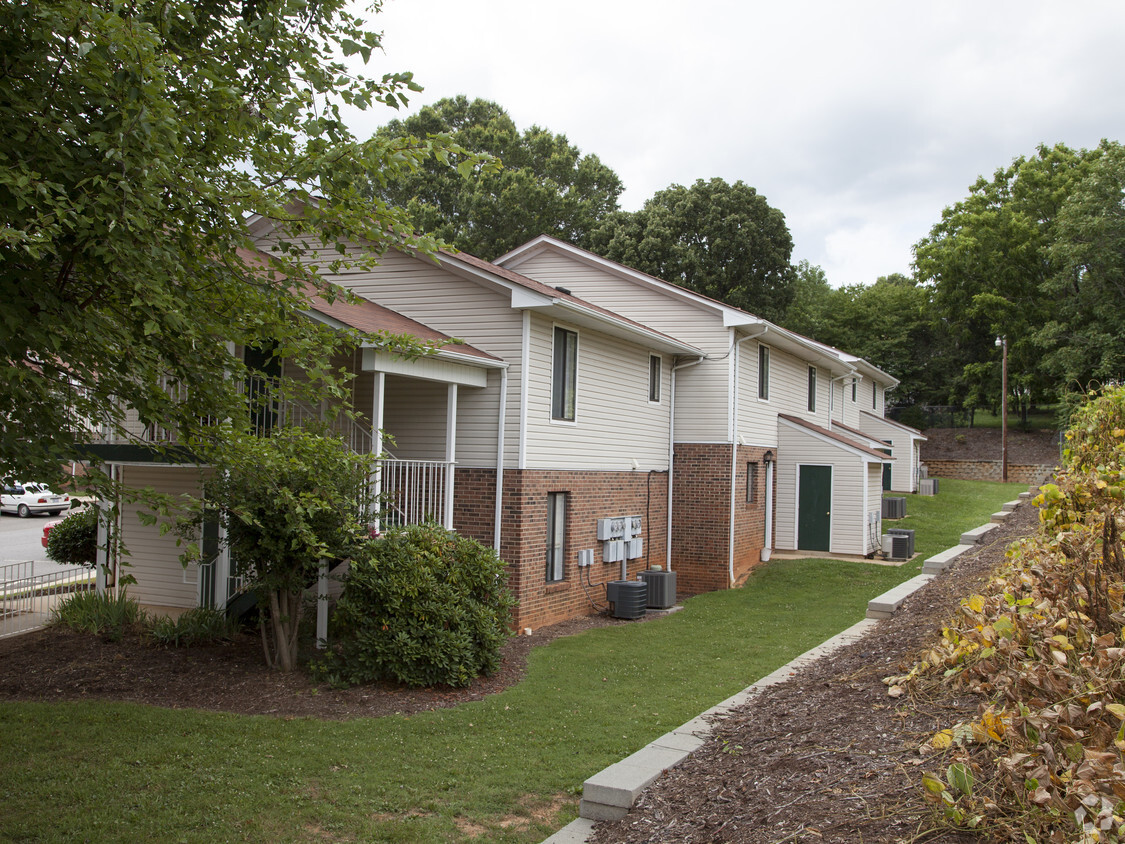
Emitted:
<point x="855" y="382"/>
<point x="812" y="389"/>
<point x="654" y="378"/>
<point x="763" y="372"/>
<point x="751" y="483"/>
<point x="556" y="535"/>
<point x="874" y="396"/>
<point x="565" y="375"/>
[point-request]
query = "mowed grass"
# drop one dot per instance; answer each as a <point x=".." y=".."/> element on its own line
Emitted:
<point x="508" y="768"/>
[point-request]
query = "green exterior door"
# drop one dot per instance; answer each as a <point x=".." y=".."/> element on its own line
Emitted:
<point x="886" y="471"/>
<point x="814" y="509"/>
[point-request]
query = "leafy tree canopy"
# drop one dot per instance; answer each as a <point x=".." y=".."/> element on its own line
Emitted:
<point x="138" y="138"/>
<point x="721" y="240"/>
<point x="546" y="186"/>
<point x="995" y="271"/>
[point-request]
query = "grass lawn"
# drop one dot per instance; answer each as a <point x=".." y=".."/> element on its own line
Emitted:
<point x="508" y="768"/>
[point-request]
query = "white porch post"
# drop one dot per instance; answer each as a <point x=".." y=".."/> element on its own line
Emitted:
<point x="103" y="546"/>
<point x="378" y="390"/>
<point x="450" y="451"/>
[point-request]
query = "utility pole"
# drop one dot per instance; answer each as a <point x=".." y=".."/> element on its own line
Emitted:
<point x="1002" y="342"/>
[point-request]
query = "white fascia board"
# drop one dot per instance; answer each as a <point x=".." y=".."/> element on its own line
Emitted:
<point x="428" y="368"/>
<point x="816" y="435"/>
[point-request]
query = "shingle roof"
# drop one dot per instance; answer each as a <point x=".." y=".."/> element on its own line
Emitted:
<point x="803" y="423"/>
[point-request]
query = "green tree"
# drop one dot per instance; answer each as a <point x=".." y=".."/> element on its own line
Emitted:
<point x="546" y="186"/>
<point x="811" y="312"/>
<point x="286" y="502"/>
<point x="991" y="263"/>
<point x="722" y="240"/>
<point x="138" y="138"/>
<point x="1083" y="341"/>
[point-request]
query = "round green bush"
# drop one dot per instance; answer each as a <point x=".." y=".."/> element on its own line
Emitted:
<point x="422" y="606"/>
<point x="74" y="540"/>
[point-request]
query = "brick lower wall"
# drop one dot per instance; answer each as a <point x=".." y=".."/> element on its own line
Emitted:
<point x="988" y="470"/>
<point x="523" y="541"/>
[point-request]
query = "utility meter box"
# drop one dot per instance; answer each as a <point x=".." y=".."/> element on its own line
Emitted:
<point x="613" y="551"/>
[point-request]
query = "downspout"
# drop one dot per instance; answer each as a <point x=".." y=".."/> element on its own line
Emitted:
<point x="767" y="549"/>
<point x="733" y="432"/>
<point x="500" y="460"/>
<point x="672" y="453"/>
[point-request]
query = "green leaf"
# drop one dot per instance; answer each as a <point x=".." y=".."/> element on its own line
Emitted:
<point x="960" y="778"/>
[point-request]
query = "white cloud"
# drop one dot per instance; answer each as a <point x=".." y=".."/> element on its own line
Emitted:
<point x="860" y="121"/>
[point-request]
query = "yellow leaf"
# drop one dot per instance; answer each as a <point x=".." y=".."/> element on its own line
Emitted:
<point x="1117" y="709"/>
<point x="942" y="739"/>
<point x="976" y="603"/>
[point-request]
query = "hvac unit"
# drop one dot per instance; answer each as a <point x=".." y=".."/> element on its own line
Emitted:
<point x="629" y="597"/>
<point x="661" y="589"/>
<point x="896" y="546"/>
<point x="894" y="508"/>
<point x="928" y="486"/>
<point x="909" y="534"/>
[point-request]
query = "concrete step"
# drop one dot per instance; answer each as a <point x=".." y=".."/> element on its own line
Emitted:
<point x="940" y="562"/>
<point x="1010" y="505"/>
<point x="999" y="516"/>
<point x="889" y="602"/>
<point x="977" y="534"/>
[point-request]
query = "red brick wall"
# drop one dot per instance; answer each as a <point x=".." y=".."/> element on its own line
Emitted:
<point x="523" y="543"/>
<point x="749" y="516"/>
<point x="701" y="516"/>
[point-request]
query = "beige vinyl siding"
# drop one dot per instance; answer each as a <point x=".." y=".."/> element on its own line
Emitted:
<point x="757" y="418"/>
<point x="154" y="560"/>
<point x="789" y="385"/>
<point x="849" y="479"/>
<point x="702" y="391"/>
<point x="850" y="414"/>
<point x="872" y="536"/>
<point x="614" y="424"/>
<point x="904" y="469"/>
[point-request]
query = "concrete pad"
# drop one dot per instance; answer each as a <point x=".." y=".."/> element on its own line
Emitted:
<point x="575" y="832"/>
<point x="1010" y="505"/>
<point x="940" y="562"/>
<point x="999" y="516"/>
<point x="977" y="534"/>
<point x="888" y="603"/>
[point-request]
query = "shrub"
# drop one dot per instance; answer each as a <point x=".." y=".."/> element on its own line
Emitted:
<point x="74" y="540"/>
<point x="422" y="606"/>
<point x="99" y="613"/>
<point x="199" y="626"/>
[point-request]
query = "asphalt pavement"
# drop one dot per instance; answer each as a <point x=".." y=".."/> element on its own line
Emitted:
<point x="21" y="541"/>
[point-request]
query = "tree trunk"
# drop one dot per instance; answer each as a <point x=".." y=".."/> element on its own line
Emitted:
<point x="284" y="623"/>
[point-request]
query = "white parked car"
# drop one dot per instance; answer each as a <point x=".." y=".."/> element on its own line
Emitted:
<point x="29" y="498"/>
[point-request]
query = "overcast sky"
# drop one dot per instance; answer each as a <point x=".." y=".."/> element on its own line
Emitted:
<point x="860" y="121"/>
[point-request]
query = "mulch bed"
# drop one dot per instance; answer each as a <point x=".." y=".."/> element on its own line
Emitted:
<point x="826" y="756"/>
<point x="56" y="664"/>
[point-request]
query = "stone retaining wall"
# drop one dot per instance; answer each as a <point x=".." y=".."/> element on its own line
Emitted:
<point x="989" y="470"/>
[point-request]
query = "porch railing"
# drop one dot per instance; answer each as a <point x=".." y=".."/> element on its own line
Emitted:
<point x="415" y="491"/>
<point x="26" y="598"/>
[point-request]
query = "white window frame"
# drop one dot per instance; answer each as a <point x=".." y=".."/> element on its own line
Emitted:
<point x="570" y="375"/>
<point x="557" y="503"/>
<point x="763" y="372"/>
<point x="812" y="389"/>
<point x="655" y="374"/>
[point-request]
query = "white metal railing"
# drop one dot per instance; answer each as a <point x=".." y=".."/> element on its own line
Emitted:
<point x="26" y="598"/>
<point x="414" y="490"/>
